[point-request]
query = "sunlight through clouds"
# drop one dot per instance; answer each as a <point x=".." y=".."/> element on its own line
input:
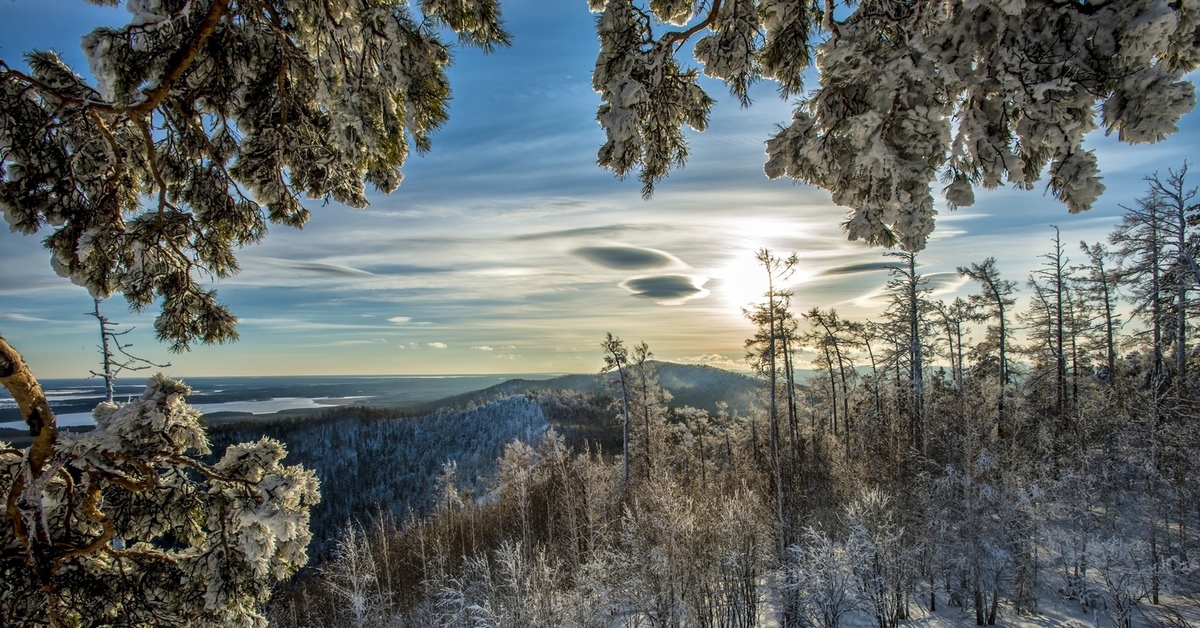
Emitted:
<point x="506" y="234"/>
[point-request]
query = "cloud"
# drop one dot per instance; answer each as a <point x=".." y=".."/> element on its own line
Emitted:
<point x="944" y="283"/>
<point x="666" y="289"/>
<point x="716" y="360"/>
<point x="21" y="318"/>
<point x="400" y="319"/>
<point x="625" y="257"/>
<point x="506" y="356"/>
<point x="345" y="343"/>
<point x="601" y="231"/>
<point x="437" y="345"/>
<point x="865" y="267"/>
<point x="319" y="268"/>
<point x="482" y="348"/>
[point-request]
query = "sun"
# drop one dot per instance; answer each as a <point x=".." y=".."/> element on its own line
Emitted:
<point x="737" y="280"/>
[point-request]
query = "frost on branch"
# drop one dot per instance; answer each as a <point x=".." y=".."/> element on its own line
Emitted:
<point x="211" y="119"/>
<point x="132" y="528"/>
<point x="978" y="93"/>
<point x="648" y="97"/>
<point x="731" y="52"/>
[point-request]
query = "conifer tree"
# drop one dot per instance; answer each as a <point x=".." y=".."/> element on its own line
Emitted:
<point x="1174" y="209"/>
<point x="770" y="346"/>
<point x="616" y="356"/>
<point x="1155" y="242"/>
<point x="208" y="120"/>
<point x="830" y="333"/>
<point x="1050" y="323"/>
<point x="979" y="94"/>
<point x="954" y="316"/>
<point x="1099" y="294"/>
<point x="908" y="305"/>
<point x="994" y="303"/>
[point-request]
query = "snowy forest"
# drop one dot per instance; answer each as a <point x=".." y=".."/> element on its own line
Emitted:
<point x="1024" y="454"/>
<point x="969" y="456"/>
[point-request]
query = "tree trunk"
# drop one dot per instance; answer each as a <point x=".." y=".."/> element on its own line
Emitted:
<point x="43" y="427"/>
<point x="106" y="352"/>
<point x="31" y="402"/>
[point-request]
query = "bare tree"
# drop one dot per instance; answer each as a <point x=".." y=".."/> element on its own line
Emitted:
<point x="115" y="354"/>
<point x="616" y="356"/>
<point x="778" y="270"/>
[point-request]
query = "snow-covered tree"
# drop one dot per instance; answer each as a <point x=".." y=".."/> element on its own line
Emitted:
<point x="124" y="524"/>
<point x="885" y="564"/>
<point x="1098" y="285"/>
<point x="994" y="302"/>
<point x="207" y="120"/>
<point x="210" y="119"/>
<point x="1156" y="242"/>
<point x="616" y="356"/>
<point x="769" y="346"/>
<point x="351" y="576"/>
<point x="907" y="307"/>
<point x="819" y="579"/>
<point x="982" y="93"/>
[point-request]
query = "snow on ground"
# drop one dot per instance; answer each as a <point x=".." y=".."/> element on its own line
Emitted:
<point x="1174" y="611"/>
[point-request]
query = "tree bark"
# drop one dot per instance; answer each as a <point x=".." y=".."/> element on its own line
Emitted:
<point x="31" y="401"/>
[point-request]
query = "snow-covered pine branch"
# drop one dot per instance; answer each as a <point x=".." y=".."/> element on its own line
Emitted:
<point x="211" y="119"/>
<point x="970" y="94"/>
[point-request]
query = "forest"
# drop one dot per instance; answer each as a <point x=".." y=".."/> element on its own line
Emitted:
<point x="971" y="458"/>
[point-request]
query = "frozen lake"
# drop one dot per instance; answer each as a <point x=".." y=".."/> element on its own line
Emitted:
<point x="73" y="399"/>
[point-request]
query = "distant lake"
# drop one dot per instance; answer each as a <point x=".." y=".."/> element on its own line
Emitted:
<point x="73" y="399"/>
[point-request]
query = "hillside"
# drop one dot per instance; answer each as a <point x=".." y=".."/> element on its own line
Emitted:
<point x="373" y="461"/>
<point x="699" y="386"/>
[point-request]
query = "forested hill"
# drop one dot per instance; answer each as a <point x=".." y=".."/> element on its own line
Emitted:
<point x="373" y="461"/>
<point x="699" y="386"/>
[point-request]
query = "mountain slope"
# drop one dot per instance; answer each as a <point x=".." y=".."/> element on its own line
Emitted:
<point x="693" y="385"/>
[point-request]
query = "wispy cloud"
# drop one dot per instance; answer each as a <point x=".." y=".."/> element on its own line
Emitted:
<point x="866" y="267"/>
<point x="22" y="318"/>
<point x="318" y="268"/>
<point x="347" y="343"/>
<point x="507" y="235"/>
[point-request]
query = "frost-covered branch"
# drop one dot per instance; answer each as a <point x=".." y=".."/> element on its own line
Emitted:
<point x="203" y="107"/>
<point x="158" y="536"/>
<point x="972" y="95"/>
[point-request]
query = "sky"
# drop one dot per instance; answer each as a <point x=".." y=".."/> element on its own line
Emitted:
<point x="507" y="250"/>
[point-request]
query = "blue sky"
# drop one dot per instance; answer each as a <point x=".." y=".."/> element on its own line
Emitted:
<point x="506" y="250"/>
